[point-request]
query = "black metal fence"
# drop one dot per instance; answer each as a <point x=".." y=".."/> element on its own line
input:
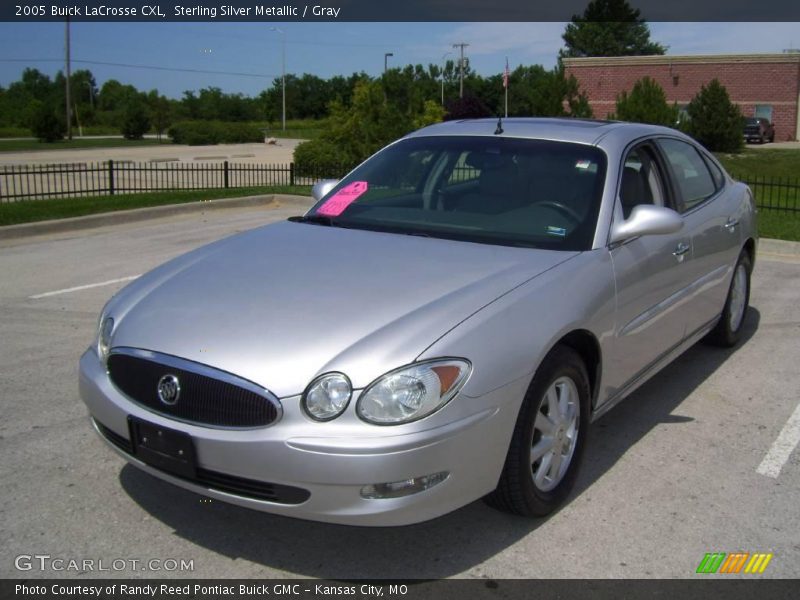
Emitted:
<point x="71" y="180"/>
<point x="775" y="193"/>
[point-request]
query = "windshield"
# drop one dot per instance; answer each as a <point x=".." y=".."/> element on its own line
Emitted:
<point x="516" y="192"/>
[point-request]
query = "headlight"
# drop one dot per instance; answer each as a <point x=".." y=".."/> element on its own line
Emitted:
<point x="327" y="396"/>
<point x="412" y="392"/>
<point x="104" y="337"/>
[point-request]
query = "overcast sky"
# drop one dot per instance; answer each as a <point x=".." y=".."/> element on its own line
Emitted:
<point x="248" y="55"/>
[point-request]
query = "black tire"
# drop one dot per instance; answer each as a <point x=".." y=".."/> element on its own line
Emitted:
<point x="727" y="332"/>
<point x="516" y="491"/>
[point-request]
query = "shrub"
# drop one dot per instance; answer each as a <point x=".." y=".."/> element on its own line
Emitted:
<point x="201" y="133"/>
<point x="714" y="120"/>
<point x="646" y="103"/>
<point x="47" y="125"/>
<point x="321" y="159"/>
<point x="353" y="132"/>
<point x="135" y="121"/>
<point x="432" y="112"/>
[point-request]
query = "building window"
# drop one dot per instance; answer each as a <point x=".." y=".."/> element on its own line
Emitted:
<point x="764" y="111"/>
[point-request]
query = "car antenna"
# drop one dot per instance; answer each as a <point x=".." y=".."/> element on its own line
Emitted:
<point x="499" y="129"/>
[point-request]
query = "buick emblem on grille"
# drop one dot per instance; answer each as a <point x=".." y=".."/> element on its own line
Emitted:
<point x="169" y="389"/>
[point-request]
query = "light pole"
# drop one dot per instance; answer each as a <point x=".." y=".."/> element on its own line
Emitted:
<point x="445" y="55"/>
<point x="91" y="93"/>
<point x="283" y="73"/>
<point x="386" y="56"/>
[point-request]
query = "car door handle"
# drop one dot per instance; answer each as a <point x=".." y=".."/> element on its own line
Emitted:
<point x="731" y="224"/>
<point x="681" y="250"/>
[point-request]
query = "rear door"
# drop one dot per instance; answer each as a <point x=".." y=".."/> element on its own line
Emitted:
<point x="711" y="219"/>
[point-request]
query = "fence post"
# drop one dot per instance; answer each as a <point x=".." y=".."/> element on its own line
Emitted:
<point x="291" y="174"/>
<point x="110" y="177"/>
<point x="227" y="183"/>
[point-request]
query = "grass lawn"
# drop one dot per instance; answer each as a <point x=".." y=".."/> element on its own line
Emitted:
<point x="779" y="225"/>
<point x="762" y="163"/>
<point x="40" y="210"/>
<point x="24" y="145"/>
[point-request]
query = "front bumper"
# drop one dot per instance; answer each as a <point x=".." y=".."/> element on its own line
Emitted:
<point x="332" y="461"/>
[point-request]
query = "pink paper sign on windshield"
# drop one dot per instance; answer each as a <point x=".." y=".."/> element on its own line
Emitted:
<point x="337" y="203"/>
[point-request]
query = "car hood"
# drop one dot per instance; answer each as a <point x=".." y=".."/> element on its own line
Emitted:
<point x="283" y="303"/>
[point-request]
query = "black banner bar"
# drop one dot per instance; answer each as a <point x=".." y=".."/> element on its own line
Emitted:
<point x="702" y="588"/>
<point x="374" y="10"/>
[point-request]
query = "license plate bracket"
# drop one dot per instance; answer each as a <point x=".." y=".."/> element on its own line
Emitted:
<point x="163" y="448"/>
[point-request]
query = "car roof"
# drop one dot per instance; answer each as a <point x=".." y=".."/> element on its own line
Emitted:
<point x="582" y="131"/>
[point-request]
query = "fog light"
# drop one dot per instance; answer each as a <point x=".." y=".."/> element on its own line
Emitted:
<point x="398" y="489"/>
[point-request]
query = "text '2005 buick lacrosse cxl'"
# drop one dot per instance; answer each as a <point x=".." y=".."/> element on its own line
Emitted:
<point x="443" y="324"/>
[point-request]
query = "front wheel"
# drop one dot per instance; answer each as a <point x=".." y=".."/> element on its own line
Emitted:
<point x="548" y="439"/>
<point x="728" y="330"/>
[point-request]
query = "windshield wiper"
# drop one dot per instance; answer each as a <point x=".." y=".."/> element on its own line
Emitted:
<point x="315" y="219"/>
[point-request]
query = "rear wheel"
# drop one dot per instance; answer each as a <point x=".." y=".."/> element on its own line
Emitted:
<point x="548" y="440"/>
<point x="728" y="330"/>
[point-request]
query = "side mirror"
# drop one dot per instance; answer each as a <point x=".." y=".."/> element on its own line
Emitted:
<point x="647" y="219"/>
<point x="321" y="188"/>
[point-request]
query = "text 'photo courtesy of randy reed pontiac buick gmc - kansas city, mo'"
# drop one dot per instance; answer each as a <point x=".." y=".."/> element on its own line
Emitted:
<point x="442" y="325"/>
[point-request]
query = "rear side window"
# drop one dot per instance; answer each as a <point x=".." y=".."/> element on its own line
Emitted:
<point x="716" y="174"/>
<point x="690" y="172"/>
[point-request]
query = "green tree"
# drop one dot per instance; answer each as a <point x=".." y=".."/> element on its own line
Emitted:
<point x="159" y="108"/>
<point x="608" y="28"/>
<point x="135" y="120"/>
<point x="115" y="96"/>
<point x="47" y="125"/>
<point x="535" y="92"/>
<point x="714" y="120"/>
<point x="646" y="103"/>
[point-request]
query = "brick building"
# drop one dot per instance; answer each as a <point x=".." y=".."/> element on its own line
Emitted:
<point x="763" y="85"/>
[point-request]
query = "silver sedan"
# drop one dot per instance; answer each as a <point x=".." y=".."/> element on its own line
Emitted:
<point x="442" y="325"/>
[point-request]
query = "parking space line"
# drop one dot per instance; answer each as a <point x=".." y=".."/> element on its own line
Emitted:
<point x="83" y="287"/>
<point x="782" y="447"/>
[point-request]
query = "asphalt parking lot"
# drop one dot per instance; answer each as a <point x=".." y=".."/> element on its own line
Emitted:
<point x="674" y="472"/>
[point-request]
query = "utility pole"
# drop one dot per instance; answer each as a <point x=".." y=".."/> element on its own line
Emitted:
<point x="461" y="45"/>
<point x="283" y="74"/>
<point x="67" y="94"/>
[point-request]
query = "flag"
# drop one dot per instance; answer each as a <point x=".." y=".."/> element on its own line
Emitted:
<point x="505" y="75"/>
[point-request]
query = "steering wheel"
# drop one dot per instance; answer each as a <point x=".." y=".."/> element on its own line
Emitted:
<point x="563" y="208"/>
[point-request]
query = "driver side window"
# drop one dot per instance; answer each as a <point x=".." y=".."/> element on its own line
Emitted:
<point x="641" y="182"/>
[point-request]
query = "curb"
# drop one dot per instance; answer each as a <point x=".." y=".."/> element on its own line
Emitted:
<point x="270" y="201"/>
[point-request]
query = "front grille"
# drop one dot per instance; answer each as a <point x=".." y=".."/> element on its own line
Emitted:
<point x="207" y="396"/>
<point x="231" y="484"/>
